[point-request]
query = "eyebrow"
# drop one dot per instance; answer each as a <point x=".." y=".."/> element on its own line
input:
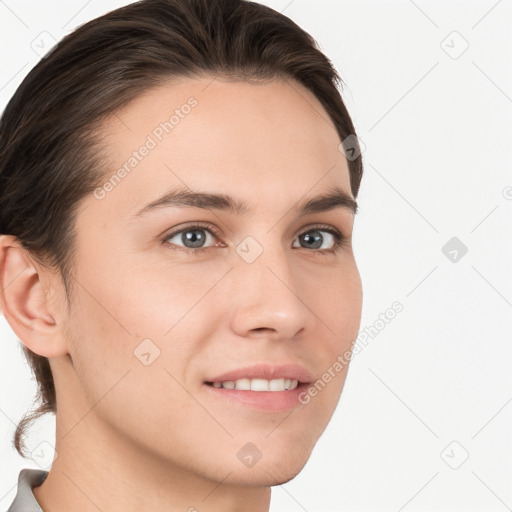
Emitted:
<point x="330" y="200"/>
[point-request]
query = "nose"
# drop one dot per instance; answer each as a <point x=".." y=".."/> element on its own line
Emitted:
<point x="268" y="301"/>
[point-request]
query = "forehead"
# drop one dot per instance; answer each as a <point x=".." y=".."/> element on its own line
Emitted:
<point x="251" y="140"/>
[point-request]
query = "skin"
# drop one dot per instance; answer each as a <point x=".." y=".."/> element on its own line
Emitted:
<point x="131" y="436"/>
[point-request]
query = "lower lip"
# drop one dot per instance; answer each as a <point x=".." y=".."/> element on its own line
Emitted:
<point x="274" y="401"/>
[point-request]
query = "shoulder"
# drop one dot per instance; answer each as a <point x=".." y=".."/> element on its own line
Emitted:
<point x="24" y="500"/>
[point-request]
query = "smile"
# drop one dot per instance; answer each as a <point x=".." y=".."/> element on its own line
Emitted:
<point x="246" y="384"/>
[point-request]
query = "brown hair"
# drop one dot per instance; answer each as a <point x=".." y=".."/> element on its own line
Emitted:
<point x="50" y="151"/>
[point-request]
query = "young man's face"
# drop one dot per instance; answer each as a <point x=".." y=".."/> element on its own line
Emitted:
<point x="151" y="324"/>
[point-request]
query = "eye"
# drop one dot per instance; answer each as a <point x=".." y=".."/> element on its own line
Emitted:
<point x="194" y="238"/>
<point x="312" y="238"/>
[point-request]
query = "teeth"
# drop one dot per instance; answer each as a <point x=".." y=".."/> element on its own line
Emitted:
<point x="258" y="384"/>
<point x="276" y="385"/>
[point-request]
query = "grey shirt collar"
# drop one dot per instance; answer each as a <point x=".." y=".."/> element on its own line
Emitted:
<point x="25" y="500"/>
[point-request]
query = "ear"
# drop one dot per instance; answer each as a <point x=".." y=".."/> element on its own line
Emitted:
<point x="24" y="292"/>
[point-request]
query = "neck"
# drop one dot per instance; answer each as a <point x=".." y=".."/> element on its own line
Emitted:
<point x="100" y="469"/>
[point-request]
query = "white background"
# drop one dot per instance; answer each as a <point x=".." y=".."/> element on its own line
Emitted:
<point x="437" y="128"/>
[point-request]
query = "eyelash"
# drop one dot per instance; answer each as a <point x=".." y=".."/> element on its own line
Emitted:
<point x="339" y="239"/>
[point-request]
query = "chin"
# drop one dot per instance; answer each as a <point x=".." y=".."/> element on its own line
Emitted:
<point x="271" y="472"/>
<point x="262" y="478"/>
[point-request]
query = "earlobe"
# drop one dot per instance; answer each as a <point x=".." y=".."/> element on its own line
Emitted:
<point x="24" y="303"/>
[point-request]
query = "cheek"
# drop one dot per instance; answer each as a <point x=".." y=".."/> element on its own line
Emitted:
<point x="335" y="298"/>
<point x="129" y="373"/>
<point x="158" y="296"/>
<point x="149" y="320"/>
<point x="338" y="306"/>
<point x="99" y="346"/>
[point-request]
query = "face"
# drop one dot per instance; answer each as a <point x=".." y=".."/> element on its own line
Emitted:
<point x="175" y="296"/>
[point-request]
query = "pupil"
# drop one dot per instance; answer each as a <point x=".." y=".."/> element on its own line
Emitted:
<point x="193" y="238"/>
<point x="317" y="239"/>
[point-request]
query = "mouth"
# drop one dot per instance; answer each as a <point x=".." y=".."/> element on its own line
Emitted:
<point x="258" y="385"/>
<point x="269" y="401"/>
<point x="273" y="389"/>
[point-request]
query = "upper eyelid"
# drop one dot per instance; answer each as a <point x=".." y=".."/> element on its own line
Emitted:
<point x="198" y="224"/>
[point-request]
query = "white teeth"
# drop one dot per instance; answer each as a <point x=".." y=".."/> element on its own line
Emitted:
<point x="258" y="384"/>
<point x="243" y="384"/>
<point x="276" y="385"/>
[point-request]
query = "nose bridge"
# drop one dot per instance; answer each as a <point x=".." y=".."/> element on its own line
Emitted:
<point x="268" y="296"/>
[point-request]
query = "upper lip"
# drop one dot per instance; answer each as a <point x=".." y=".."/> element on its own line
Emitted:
<point x="266" y="371"/>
